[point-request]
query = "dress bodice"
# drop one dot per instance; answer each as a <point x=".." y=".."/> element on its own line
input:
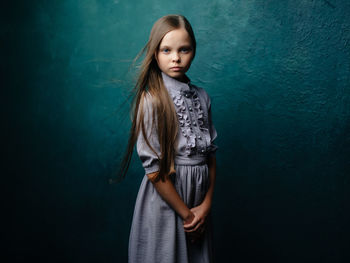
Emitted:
<point x="193" y="110"/>
<point x="196" y="133"/>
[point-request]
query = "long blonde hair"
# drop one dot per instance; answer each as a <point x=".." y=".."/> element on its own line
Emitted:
<point x="150" y="81"/>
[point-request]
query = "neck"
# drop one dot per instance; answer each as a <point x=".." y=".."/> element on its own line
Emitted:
<point x="176" y="84"/>
<point x="183" y="79"/>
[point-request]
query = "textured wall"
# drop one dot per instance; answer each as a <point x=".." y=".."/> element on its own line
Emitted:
<point x="278" y="75"/>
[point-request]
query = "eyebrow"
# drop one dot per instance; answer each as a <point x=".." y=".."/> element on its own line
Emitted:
<point x="186" y="46"/>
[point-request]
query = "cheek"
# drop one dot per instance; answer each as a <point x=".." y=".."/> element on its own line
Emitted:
<point x="162" y="59"/>
<point x="189" y="59"/>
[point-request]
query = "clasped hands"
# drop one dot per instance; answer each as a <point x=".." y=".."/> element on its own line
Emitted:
<point x="194" y="225"/>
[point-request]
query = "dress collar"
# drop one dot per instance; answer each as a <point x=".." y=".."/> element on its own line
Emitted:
<point x="172" y="83"/>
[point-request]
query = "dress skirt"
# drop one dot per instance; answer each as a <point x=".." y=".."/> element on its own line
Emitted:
<point x="157" y="234"/>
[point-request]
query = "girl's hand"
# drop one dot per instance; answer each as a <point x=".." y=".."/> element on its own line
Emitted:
<point x="189" y="218"/>
<point x="200" y="213"/>
<point x="195" y="229"/>
<point x="196" y="235"/>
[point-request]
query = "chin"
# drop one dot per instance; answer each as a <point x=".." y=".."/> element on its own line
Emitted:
<point x="176" y="74"/>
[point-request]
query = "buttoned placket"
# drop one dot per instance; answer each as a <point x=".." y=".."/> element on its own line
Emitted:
<point x="193" y="118"/>
<point x="172" y="86"/>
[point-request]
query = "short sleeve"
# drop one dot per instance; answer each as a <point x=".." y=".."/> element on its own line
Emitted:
<point x="212" y="131"/>
<point x="149" y="159"/>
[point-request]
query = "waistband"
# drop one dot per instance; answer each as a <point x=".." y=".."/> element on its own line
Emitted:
<point x="193" y="160"/>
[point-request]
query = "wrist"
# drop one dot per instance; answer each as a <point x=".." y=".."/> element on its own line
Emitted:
<point x="187" y="216"/>
<point x="206" y="205"/>
<point x="207" y="201"/>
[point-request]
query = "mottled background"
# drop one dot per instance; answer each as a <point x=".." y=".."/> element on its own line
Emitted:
<point x="278" y="74"/>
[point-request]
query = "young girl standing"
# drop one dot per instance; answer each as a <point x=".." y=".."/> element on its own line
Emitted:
<point x="174" y="135"/>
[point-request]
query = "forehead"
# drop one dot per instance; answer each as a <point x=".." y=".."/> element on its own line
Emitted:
<point x="176" y="37"/>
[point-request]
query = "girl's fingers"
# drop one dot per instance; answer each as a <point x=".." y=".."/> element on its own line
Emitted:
<point x="197" y="226"/>
<point x="200" y="223"/>
<point x="192" y="224"/>
<point x="199" y="229"/>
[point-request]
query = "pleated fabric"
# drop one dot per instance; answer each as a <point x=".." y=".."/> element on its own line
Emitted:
<point x="157" y="234"/>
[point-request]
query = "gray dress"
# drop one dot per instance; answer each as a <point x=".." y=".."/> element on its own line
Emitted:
<point x="157" y="234"/>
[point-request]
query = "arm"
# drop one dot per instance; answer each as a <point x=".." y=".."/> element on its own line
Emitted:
<point x="212" y="175"/>
<point x="150" y="162"/>
<point x="168" y="192"/>
<point x="211" y="160"/>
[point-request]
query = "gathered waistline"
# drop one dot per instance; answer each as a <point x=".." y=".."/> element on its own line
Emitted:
<point x="195" y="160"/>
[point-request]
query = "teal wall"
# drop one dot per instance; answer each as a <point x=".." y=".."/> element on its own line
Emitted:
<point x="278" y="73"/>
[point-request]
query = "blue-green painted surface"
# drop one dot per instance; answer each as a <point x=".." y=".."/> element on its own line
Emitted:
<point x="278" y="73"/>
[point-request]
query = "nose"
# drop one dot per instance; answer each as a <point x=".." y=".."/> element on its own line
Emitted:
<point x="176" y="57"/>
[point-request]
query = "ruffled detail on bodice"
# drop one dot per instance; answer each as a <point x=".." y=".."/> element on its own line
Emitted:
<point x="198" y="109"/>
<point x="190" y="101"/>
<point x="184" y="118"/>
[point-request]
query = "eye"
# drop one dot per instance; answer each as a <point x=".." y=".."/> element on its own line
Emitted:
<point x="165" y="50"/>
<point x="185" y="50"/>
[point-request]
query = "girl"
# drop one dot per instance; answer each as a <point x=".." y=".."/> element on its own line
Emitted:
<point x="174" y="135"/>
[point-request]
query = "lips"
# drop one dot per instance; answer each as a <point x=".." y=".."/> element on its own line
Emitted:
<point x="176" y="68"/>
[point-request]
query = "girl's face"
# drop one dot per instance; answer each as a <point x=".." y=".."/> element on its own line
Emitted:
<point x="175" y="53"/>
